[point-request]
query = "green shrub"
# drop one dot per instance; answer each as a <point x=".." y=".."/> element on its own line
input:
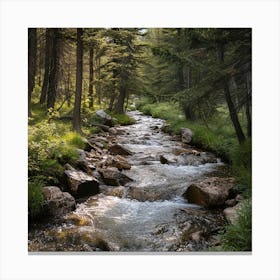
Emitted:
<point x="35" y="197"/>
<point x="50" y="146"/>
<point x="123" y="119"/>
<point x="238" y="237"/>
<point x="74" y="139"/>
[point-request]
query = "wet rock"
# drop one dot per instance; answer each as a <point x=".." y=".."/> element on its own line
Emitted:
<point x="239" y="198"/>
<point x="88" y="145"/>
<point x="57" y="202"/>
<point x="196" y="159"/>
<point x="85" y="162"/>
<point x="187" y="135"/>
<point x="231" y="213"/>
<point x="113" y="131"/>
<point x="104" y="118"/>
<point x="118" y="191"/>
<point x="117" y="149"/>
<point x="79" y="220"/>
<point x="211" y="192"/>
<point x="113" y="177"/>
<point x="163" y="160"/>
<point x="154" y="127"/>
<point x="230" y="202"/>
<point x="120" y="163"/>
<point x="146" y="194"/>
<point x="196" y="236"/>
<point x="79" y="183"/>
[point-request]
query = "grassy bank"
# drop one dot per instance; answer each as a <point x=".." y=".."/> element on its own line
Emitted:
<point x="51" y="144"/>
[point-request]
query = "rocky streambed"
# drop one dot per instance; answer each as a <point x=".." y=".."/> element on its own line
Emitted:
<point x="137" y="189"/>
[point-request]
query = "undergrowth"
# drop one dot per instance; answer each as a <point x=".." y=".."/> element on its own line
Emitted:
<point x="238" y="236"/>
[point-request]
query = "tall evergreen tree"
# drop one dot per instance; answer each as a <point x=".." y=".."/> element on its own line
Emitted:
<point x="79" y="81"/>
<point x="53" y="68"/>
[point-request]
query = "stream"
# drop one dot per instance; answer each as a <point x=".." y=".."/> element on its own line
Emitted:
<point x="149" y="214"/>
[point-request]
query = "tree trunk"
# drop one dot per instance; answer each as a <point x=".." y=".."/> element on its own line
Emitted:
<point x="32" y="54"/>
<point x="98" y="86"/>
<point x="248" y="103"/>
<point x="232" y="111"/>
<point x="121" y="99"/>
<point x="90" y="88"/>
<point x="233" y="115"/>
<point x="79" y="81"/>
<point x="68" y="86"/>
<point x="47" y="67"/>
<point x="112" y="100"/>
<point x="54" y="68"/>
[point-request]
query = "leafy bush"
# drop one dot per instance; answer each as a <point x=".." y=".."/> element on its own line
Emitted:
<point x="238" y="237"/>
<point x="49" y="148"/>
<point x="35" y="197"/>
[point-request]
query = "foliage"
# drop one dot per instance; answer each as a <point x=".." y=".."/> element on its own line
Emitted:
<point x="242" y="167"/>
<point x="49" y="148"/>
<point x="238" y="237"/>
<point x="35" y="197"/>
<point x="122" y="119"/>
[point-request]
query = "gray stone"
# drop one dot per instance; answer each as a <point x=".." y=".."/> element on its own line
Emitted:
<point x="231" y="213"/>
<point x="187" y="135"/>
<point x="79" y="183"/>
<point x="211" y="192"/>
<point x="104" y="118"/>
<point x="113" y="177"/>
<point x="56" y="202"/>
<point x="117" y="149"/>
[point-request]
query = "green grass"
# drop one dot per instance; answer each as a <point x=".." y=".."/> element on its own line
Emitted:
<point x="238" y="237"/>
<point x="122" y="119"/>
<point x="35" y="197"/>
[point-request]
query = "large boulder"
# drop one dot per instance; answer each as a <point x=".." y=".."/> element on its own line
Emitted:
<point x="79" y="183"/>
<point x="113" y="177"/>
<point x="186" y="135"/>
<point x="211" y="192"/>
<point x="104" y="118"/>
<point x="117" y="149"/>
<point x="56" y="202"/>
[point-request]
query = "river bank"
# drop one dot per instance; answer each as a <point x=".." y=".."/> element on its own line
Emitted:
<point x="148" y="211"/>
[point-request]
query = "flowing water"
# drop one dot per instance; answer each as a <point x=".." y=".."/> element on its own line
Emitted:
<point x="149" y="214"/>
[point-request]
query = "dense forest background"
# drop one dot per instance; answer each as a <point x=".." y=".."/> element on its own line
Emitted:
<point x="192" y="77"/>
